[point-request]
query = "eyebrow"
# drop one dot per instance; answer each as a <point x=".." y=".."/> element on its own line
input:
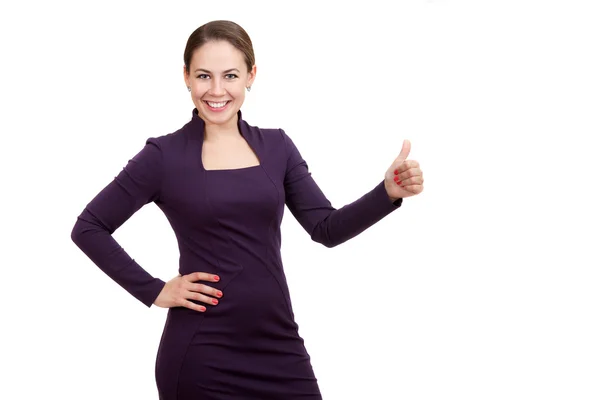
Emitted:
<point x="207" y="71"/>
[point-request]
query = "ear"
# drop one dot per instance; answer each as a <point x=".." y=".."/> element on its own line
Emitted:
<point x="251" y="76"/>
<point x="186" y="77"/>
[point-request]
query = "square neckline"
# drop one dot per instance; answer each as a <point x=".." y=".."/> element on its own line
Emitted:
<point x="231" y="169"/>
<point x="244" y="136"/>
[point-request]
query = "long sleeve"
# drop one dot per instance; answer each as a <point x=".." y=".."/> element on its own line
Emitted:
<point x="324" y="223"/>
<point x="136" y="185"/>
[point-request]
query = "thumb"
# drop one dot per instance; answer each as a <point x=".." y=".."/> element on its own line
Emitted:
<point x="404" y="152"/>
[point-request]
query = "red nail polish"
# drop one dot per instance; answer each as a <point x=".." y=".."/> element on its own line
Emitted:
<point x="395" y="172"/>
<point x="400" y="182"/>
<point x="396" y="178"/>
<point x="215" y="301"/>
<point x="216" y="278"/>
<point x="219" y="294"/>
<point x="202" y="308"/>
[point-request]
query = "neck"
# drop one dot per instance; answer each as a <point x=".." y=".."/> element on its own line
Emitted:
<point x="228" y="130"/>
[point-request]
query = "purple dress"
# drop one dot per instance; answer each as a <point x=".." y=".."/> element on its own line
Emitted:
<point x="226" y="222"/>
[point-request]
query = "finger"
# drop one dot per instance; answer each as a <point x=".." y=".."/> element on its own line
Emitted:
<point x="405" y="166"/>
<point x="402" y="182"/>
<point x="202" y="298"/>
<point x="402" y="176"/>
<point x="416" y="189"/>
<point x="404" y="152"/>
<point x="201" y="288"/>
<point x="201" y="276"/>
<point x="193" y="306"/>
<point x="415" y="180"/>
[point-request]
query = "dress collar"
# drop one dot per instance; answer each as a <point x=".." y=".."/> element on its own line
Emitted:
<point x="198" y="125"/>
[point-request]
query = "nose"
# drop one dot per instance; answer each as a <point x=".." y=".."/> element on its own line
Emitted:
<point x="216" y="88"/>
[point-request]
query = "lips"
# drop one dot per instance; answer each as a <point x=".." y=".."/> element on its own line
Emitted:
<point x="217" y="105"/>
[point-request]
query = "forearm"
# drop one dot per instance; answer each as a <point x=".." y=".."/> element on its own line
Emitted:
<point x="345" y="223"/>
<point x="96" y="241"/>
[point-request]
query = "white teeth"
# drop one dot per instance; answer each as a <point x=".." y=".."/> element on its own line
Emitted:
<point x="217" y="105"/>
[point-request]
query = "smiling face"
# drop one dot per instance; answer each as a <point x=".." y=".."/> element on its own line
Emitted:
<point x="218" y="80"/>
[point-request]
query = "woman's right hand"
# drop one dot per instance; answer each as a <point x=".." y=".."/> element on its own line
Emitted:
<point x="180" y="290"/>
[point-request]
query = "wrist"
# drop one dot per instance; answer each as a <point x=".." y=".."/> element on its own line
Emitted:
<point x="387" y="191"/>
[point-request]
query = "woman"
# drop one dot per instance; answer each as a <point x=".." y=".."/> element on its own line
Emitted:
<point x="223" y="184"/>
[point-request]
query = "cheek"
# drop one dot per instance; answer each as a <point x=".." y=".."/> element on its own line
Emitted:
<point x="238" y="90"/>
<point x="241" y="95"/>
<point x="198" y="89"/>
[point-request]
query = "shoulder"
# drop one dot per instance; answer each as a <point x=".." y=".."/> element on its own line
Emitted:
<point x="273" y="139"/>
<point x="173" y="141"/>
<point x="261" y="132"/>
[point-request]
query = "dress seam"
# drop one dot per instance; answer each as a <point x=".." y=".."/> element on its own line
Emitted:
<point x="269" y="230"/>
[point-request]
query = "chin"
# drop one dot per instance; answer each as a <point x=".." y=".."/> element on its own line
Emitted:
<point x="217" y="118"/>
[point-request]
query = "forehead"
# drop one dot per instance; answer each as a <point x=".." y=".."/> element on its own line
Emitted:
<point x="217" y="55"/>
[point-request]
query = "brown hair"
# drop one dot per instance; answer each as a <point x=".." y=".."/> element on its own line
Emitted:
<point x="219" y="30"/>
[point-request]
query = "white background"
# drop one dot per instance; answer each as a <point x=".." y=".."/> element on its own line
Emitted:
<point x="485" y="286"/>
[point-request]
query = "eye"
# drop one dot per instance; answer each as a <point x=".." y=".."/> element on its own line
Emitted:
<point x="231" y="76"/>
<point x="202" y="76"/>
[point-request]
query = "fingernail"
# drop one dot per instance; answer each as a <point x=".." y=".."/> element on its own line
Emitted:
<point x="396" y="178"/>
<point x="395" y="172"/>
<point x="399" y="182"/>
<point x="202" y="308"/>
<point x="219" y="294"/>
<point x="215" y="301"/>
<point x="216" y="278"/>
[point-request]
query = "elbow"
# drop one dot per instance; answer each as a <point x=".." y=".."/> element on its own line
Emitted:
<point x="85" y="227"/>
<point x="327" y="235"/>
<point x="323" y="238"/>
<point x="76" y="232"/>
<point x="326" y="243"/>
<point x="330" y="245"/>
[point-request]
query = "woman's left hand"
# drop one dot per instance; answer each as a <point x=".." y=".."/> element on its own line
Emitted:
<point x="404" y="178"/>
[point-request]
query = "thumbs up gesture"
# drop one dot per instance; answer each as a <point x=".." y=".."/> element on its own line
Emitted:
<point x="404" y="178"/>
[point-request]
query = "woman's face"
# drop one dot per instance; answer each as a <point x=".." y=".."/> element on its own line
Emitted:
<point x="218" y="79"/>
